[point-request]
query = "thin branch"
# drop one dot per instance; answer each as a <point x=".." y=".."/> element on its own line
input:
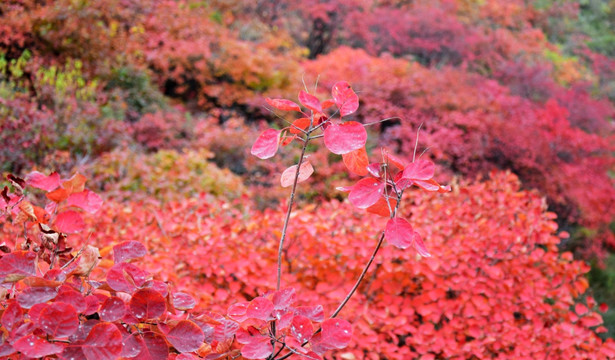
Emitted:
<point x="303" y="82"/>
<point x="416" y="144"/>
<point x="423" y="153"/>
<point x="381" y="121"/>
<point x="360" y="279"/>
<point x="288" y="211"/>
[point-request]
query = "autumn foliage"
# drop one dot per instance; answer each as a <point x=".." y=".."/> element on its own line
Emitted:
<point x="233" y="179"/>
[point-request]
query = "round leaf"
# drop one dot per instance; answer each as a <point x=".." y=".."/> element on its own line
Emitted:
<point x="186" y="336"/>
<point x="419" y="170"/>
<point x="288" y="176"/>
<point x="43" y="182"/>
<point x="35" y="347"/>
<point x="86" y="200"/>
<point x="302" y="328"/>
<point x="59" y="319"/>
<point x="104" y="342"/>
<point x="128" y="250"/>
<point x="366" y="192"/>
<point x="183" y="301"/>
<point x="310" y="101"/>
<point x="336" y="332"/>
<point x="112" y="309"/>
<point x="69" y="222"/>
<point x="147" y="304"/>
<point x="283" y="104"/>
<point x="356" y="161"/>
<point x="344" y="138"/>
<point x="260" y="308"/>
<point x="266" y="145"/>
<point x="399" y="232"/>
<point x="345" y="98"/>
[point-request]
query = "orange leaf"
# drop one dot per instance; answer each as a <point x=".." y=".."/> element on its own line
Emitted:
<point x="75" y="184"/>
<point x="356" y="161"/>
<point x="301" y="123"/>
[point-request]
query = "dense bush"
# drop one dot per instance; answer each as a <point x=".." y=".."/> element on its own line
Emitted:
<point x="474" y="125"/>
<point x="510" y="295"/>
<point x="146" y="96"/>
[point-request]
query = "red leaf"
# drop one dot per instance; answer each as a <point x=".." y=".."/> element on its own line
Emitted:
<point x="225" y="330"/>
<point x="67" y="294"/>
<point x="356" y="161"/>
<point x="310" y="101"/>
<point x="328" y="103"/>
<point x="59" y="320"/>
<point x="260" y="349"/>
<point x="314" y="313"/>
<point x="238" y="310"/>
<point x="302" y="328"/>
<point x="104" y="342"/>
<point x="344" y="138"/>
<point x="288" y="176"/>
<point x="6" y="348"/>
<point x="266" y="145"/>
<point x="128" y="250"/>
<point x="366" y="192"/>
<point x="35" y="312"/>
<point x="17" y="265"/>
<point x="419" y="170"/>
<point x="35" y="347"/>
<point x="133" y="345"/>
<point x="186" y="336"/>
<point x="382" y="208"/>
<point x="183" y="301"/>
<point x="43" y="182"/>
<point x="345" y="98"/>
<point x="429" y="185"/>
<point x="155" y="348"/>
<point x="126" y="277"/>
<point x="58" y="195"/>
<point x="12" y="316"/>
<point x="580" y="309"/>
<point x="399" y="232"/>
<point x="69" y="222"/>
<point x="591" y="320"/>
<point x="35" y="295"/>
<point x="86" y="200"/>
<point x="186" y="357"/>
<point x="301" y="123"/>
<point x="419" y="246"/>
<point x="260" y="308"/>
<point x="393" y="160"/>
<point x="283" y="104"/>
<point x="374" y="169"/>
<point x="112" y="309"/>
<point x="284" y="298"/>
<point x="336" y="332"/>
<point x="147" y="304"/>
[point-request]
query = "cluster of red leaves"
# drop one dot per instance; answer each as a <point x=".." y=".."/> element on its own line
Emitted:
<point x="51" y="306"/>
<point x="378" y="194"/>
<point x="512" y="294"/>
<point x="474" y="125"/>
